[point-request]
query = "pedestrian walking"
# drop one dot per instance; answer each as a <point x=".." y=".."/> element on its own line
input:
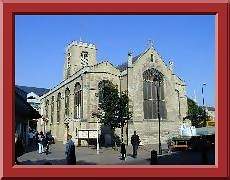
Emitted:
<point x="70" y="151"/>
<point x="123" y="151"/>
<point x="46" y="143"/>
<point x="135" y="141"/>
<point x="40" y="142"/>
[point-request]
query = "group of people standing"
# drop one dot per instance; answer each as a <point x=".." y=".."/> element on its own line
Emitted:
<point x="39" y="141"/>
<point x="44" y="141"/>
<point x="70" y="149"/>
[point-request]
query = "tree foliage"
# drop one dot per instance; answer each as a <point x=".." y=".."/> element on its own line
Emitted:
<point x="114" y="107"/>
<point x="196" y="114"/>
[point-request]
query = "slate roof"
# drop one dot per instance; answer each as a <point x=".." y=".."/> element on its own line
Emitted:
<point x="38" y="91"/>
<point x="124" y="66"/>
<point x="23" y="109"/>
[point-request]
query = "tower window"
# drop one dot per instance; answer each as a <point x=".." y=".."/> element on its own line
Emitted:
<point x="151" y="57"/>
<point x="68" y="65"/>
<point x="84" y="58"/>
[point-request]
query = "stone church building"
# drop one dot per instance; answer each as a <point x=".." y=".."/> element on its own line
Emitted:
<point x="68" y="107"/>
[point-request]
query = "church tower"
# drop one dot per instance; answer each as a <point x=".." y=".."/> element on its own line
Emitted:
<point x="78" y="55"/>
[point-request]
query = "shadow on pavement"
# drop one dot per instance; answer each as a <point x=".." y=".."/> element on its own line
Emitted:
<point x="53" y="162"/>
<point x="186" y="158"/>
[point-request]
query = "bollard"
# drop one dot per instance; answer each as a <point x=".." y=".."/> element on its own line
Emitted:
<point x="153" y="157"/>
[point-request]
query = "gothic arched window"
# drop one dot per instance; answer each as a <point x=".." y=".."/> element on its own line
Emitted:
<point x="47" y="108"/>
<point x="67" y="93"/>
<point x="153" y="84"/>
<point x="58" y="106"/>
<point x="77" y="101"/>
<point x="101" y="85"/>
<point x="52" y="109"/>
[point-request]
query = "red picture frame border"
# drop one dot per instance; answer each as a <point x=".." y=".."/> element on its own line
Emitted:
<point x="218" y="8"/>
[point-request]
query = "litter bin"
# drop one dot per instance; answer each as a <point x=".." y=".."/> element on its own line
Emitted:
<point x="153" y="157"/>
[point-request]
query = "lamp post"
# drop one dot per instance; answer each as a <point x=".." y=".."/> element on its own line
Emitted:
<point x="45" y="120"/>
<point x="129" y="65"/>
<point x="97" y="137"/>
<point x="66" y="122"/>
<point x="158" y="78"/>
<point x="203" y="102"/>
<point x="95" y="114"/>
<point x="202" y="90"/>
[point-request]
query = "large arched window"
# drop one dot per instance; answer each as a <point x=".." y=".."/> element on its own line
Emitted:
<point x="101" y="85"/>
<point x="152" y="85"/>
<point x="67" y="93"/>
<point x="47" y="108"/>
<point x="58" y="106"/>
<point x="52" y="110"/>
<point x="77" y="101"/>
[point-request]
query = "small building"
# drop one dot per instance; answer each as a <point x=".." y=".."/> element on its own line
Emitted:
<point x="32" y="96"/>
<point x="24" y="115"/>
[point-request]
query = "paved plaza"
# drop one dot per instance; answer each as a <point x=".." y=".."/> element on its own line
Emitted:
<point x="109" y="156"/>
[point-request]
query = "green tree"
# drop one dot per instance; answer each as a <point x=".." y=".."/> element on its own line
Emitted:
<point x="108" y="100"/>
<point x="196" y="114"/>
<point x="114" y="107"/>
<point x="123" y="112"/>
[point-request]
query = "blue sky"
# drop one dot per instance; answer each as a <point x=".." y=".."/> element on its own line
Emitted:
<point x="189" y="40"/>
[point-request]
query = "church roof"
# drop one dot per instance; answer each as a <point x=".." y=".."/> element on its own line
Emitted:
<point x="38" y="91"/>
<point x="124" y="66"/>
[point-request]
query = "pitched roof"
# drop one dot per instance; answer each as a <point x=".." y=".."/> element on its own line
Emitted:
<point x="23" y="109"/>
<point x="38" y="91"/>
<point x="123" y="66"/>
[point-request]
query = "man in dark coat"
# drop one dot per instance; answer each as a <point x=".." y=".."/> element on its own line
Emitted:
<point x="70" y="151"/>
<point x="135" y="141"/>
<point x="123" y="151"/>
